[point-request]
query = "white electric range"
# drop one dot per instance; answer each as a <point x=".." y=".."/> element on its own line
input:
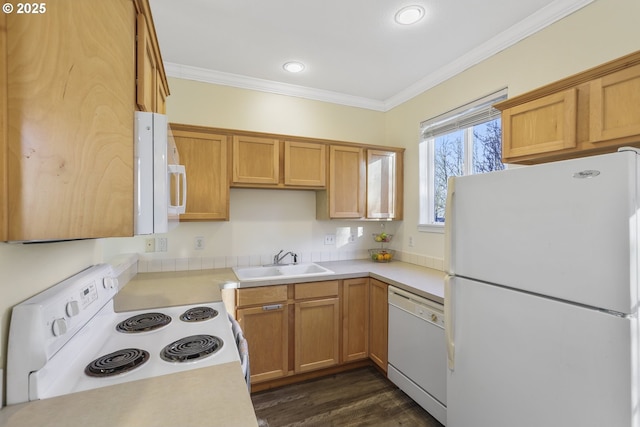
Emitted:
<point x="68" y="338"/>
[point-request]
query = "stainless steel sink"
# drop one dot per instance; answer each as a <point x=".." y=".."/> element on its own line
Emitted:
<point x="268" y="272"/>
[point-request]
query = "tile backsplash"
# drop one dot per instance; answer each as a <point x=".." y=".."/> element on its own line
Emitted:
<point x="149" y="264"/>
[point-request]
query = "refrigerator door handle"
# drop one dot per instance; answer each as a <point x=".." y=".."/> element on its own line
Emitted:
<point x="449" y="265"/>
<point x="448" y="322"/>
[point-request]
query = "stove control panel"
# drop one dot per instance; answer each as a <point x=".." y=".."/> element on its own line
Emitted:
<point x="88" y="294"/>
<point x="57" y="313"/>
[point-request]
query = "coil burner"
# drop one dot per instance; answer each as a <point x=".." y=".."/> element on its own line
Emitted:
<point x="198" y="314"/>
<point x="191" y="348"/>
<point x="116" y="363"/>
<point x="143" y="322"/>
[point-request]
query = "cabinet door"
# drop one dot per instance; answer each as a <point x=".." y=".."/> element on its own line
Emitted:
<point x="355" y="319"/>
<point x="161" y="95"/>
<point x="70" y="134"/>
<point x="378" y="325"/>
<point x="540" y="126"/>
<point x="204" y="157"/>
<point x="266" y="330"/>
<point x="317" y="330"/>
<point x="147" y="68"/>
<point x="346" y="182"/>
<point x="3" y="128"/>
<point x="256" y="160"/>
<point x="384" y="188"/>
<point x="614" y="106"/>
<point x="305" y="164"/>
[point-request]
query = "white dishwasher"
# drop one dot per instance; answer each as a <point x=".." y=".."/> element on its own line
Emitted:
<point x="417" y="350"/>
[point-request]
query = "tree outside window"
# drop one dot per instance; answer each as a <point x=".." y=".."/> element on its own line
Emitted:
<point x="470" y="145"/>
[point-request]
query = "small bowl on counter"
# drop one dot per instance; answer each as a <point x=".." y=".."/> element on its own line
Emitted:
<point x="382" y="255"/>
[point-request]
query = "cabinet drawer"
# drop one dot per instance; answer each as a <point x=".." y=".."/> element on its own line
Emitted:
<point x="261" y="295"/>
<point x="315" y="289"/>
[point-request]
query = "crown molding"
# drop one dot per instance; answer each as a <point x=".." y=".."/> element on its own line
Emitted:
<point x="523" y="29"/>
<point x="243" y="82"/>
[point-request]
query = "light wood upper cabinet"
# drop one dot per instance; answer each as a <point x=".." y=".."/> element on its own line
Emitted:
<point x="544" y="125"/>
<point x="256" y="160"/>
<point x="378" y="325"/>
<point x="615" y="105"/>
<point x="151" y="82"/>
<point x="69" y="112"/>
<point x="270" y="162"/>
<point x="345" y="196"/>
<point x="384" y="184"/>
<point x="66" y="119"/>
<point x="147" y="70"/>
<point x="593" y="112"/>
<point x="161" y="94"/>
<point x="205" y="158"/>
<point x="355" y="319"/>
<point x="305" y="164"/>
<point x="3" y="127"/>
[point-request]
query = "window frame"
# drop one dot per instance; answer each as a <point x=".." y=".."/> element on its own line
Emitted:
<point x="480" y="109"/>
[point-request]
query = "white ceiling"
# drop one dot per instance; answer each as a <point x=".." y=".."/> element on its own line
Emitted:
<point x="354" y="52"/>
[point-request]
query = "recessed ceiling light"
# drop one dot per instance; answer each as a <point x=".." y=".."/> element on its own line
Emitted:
<point x="293" y="66"/>
<point x="409" y="15"/>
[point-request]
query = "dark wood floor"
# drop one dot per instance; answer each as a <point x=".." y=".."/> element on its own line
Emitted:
<point x="362" y="397"/>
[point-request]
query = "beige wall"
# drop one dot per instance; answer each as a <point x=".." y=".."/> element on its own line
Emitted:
<point x="604" y="30"/>
<point x="221" y="106"/>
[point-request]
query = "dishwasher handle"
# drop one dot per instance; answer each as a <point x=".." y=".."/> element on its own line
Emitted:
<point x="427" y="310"/>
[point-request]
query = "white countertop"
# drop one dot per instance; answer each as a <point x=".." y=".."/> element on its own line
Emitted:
<point x="215" y="396"/>
<point x="423" y="281"/>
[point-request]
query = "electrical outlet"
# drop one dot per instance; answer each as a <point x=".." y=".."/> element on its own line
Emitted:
<point x="352" y="238"/>
<point x="163" y="244"/>
<point x="150" y="244"/>
<point x="329" y="239"/>
<point x="410" y="241"/>
<point x="199" y="243"/>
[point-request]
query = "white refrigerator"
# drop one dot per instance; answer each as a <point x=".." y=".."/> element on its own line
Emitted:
<point x="541" y="297"/>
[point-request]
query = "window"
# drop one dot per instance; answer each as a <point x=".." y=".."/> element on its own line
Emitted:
<point x="464" y="141"/>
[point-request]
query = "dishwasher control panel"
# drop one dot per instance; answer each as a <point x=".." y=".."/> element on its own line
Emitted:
<point x="421" y="307"/>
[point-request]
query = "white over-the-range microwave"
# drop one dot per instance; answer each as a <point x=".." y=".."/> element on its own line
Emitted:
<point x="161" y="182"/>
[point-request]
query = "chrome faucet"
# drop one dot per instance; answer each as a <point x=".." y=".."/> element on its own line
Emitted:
<point x="277" y="258"/>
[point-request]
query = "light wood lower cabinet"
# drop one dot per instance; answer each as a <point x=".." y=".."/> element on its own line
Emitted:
<point x="263" y="314"/>
<point x="317" y="325"/>
<point x="378" y="323"/>
<point x="355" y="319"/>
<point x="304" y="327"/>
<point x="317" y="329"/>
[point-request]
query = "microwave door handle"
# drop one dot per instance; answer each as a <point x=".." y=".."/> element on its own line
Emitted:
<point x="180" y="189"/>
<point x="182" y="198"/>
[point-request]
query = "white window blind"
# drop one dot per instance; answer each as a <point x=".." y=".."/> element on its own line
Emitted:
<point x="471" y="114"/>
